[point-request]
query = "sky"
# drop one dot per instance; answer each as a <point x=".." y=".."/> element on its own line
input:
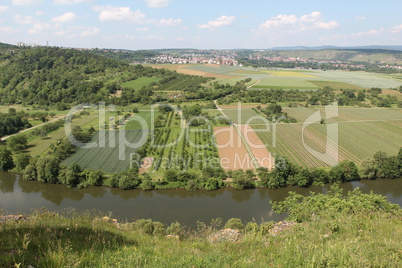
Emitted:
<point x="207" y="24"/>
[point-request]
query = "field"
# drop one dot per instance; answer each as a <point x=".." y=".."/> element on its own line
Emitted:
<point x="357" y="141"/>
<point x="290" y="79"/>
<point x="140" y="82"/>
<point x="232" y="152"/>
<point x="245" y="116"/>
<point x="285" y="83"/>
<point x="112" y="151"/>
<point x="257" y="147"/>
<point x="361" y="79"/>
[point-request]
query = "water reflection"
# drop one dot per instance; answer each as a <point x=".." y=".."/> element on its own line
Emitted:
<point x="166" y="205"/>
<point x="7" y="182"/>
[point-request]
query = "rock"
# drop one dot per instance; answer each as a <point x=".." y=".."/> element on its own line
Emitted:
<point x="225" y="235"/>
<point x="281" y="226"/>
<point x="173" y="237"/>
<point x="11" y="218"/>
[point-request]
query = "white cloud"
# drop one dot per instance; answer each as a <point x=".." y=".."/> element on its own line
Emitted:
<point x="4" y="8"/>
<point x="25" y="19"/>
<point x="68" y="2"/>
<point x="6" y="30"/>
<point x="292" y="23"/>
<point x="396" y="29"/>
<point x="90" y="31"/>
<point x="40" y="28"/>
<point x="110" y="13"/>
<point x="27" y="2"/>
<point x="157" y="3"/>
<point x="219" y="22"/>
<point x="372" y="32"/>
<point x="360" y="18"/>
<point x="66" y="17"/>
<point x="39" y="13"/>
<point x="142" y="29"/>
<point x="169" y="22"/>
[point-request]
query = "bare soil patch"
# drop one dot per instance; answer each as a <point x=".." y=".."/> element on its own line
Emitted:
<point x="232" y="152"/>
<point x="257" y="146"/>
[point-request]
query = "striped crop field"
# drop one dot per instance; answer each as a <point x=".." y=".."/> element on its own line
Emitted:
<point x="357" y="141"/>
<point x="112" y="153"/>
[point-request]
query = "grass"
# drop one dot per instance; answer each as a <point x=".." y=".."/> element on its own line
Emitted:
<point x="335" y="85"/>
<point x="140" y="82"/>
<point x="142" y="120"/>
<point x="38" y="145"/>
<point x="245" y="116"/>
<point x="285" y="83"/>
<point x="361" y="79"/>
<point x="48" y="239"/>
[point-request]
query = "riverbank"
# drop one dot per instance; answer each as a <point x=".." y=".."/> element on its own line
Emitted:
<point x="360" y="239"/>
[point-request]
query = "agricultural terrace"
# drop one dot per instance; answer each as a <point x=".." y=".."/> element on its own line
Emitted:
<point x="111" y="152"/>
<point x="232" y="151"/>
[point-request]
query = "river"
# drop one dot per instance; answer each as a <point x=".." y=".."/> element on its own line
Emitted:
<point x="20" y="197"/>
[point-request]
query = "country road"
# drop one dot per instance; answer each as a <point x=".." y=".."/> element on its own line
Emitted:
<point x="27" y="129"/>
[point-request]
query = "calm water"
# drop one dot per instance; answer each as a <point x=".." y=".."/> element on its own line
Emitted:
<point x="19" y="196"/>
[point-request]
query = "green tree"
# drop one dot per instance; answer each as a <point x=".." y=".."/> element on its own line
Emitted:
<point x="21" y="161"/>
<point x="6" y="159"/>
<point x="48" y="169"/>
<point x="17" y="143"/>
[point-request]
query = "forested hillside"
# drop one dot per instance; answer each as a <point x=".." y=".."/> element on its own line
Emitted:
<point x="49" y="76"/>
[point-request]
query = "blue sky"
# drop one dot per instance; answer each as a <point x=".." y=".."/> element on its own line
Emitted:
<point x="207" y="24"/>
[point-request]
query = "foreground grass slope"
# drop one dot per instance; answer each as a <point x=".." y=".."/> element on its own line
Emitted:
<point x="350" y="235"/>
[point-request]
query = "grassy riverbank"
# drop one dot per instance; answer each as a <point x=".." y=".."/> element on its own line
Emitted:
<point x="366" y="236"/>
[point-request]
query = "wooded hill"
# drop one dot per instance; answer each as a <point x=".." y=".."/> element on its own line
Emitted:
<point x="48" y="76"/>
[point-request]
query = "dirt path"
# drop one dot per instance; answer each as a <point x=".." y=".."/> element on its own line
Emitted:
<point x="27" y="129"/>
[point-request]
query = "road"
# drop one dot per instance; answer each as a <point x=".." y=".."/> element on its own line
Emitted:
<point x="28" y="129"/>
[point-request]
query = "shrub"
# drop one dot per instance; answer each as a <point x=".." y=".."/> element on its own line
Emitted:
<point x="234" y="223"/>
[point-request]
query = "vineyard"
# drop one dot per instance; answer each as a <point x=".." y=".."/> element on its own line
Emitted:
<point x="173" y="147"/>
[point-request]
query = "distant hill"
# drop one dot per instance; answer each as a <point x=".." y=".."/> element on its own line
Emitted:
<point x="7" y="46"/>
<point x="127" y="56"/>
<point x="377" y="47"/>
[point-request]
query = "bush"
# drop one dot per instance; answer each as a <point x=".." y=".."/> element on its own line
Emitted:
<point x="234" y="223"/>
<point x="175" y="229"/>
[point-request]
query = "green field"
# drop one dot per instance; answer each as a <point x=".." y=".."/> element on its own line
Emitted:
<point x="142" y="120"/>
<point x="347" y="114"/>
<point x="112" y="154"/>
<point x="140" y="82"/>
<point x="357" y="140"/>
<point x="361" y="79"/>
<point x="245" y="116"/>
<point x="285" y="83"/>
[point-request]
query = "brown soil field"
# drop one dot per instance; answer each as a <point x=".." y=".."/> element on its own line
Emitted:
<point x="232" y="152"/>
<point x="181" y="68"/>
<point x="259" y="150"/>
